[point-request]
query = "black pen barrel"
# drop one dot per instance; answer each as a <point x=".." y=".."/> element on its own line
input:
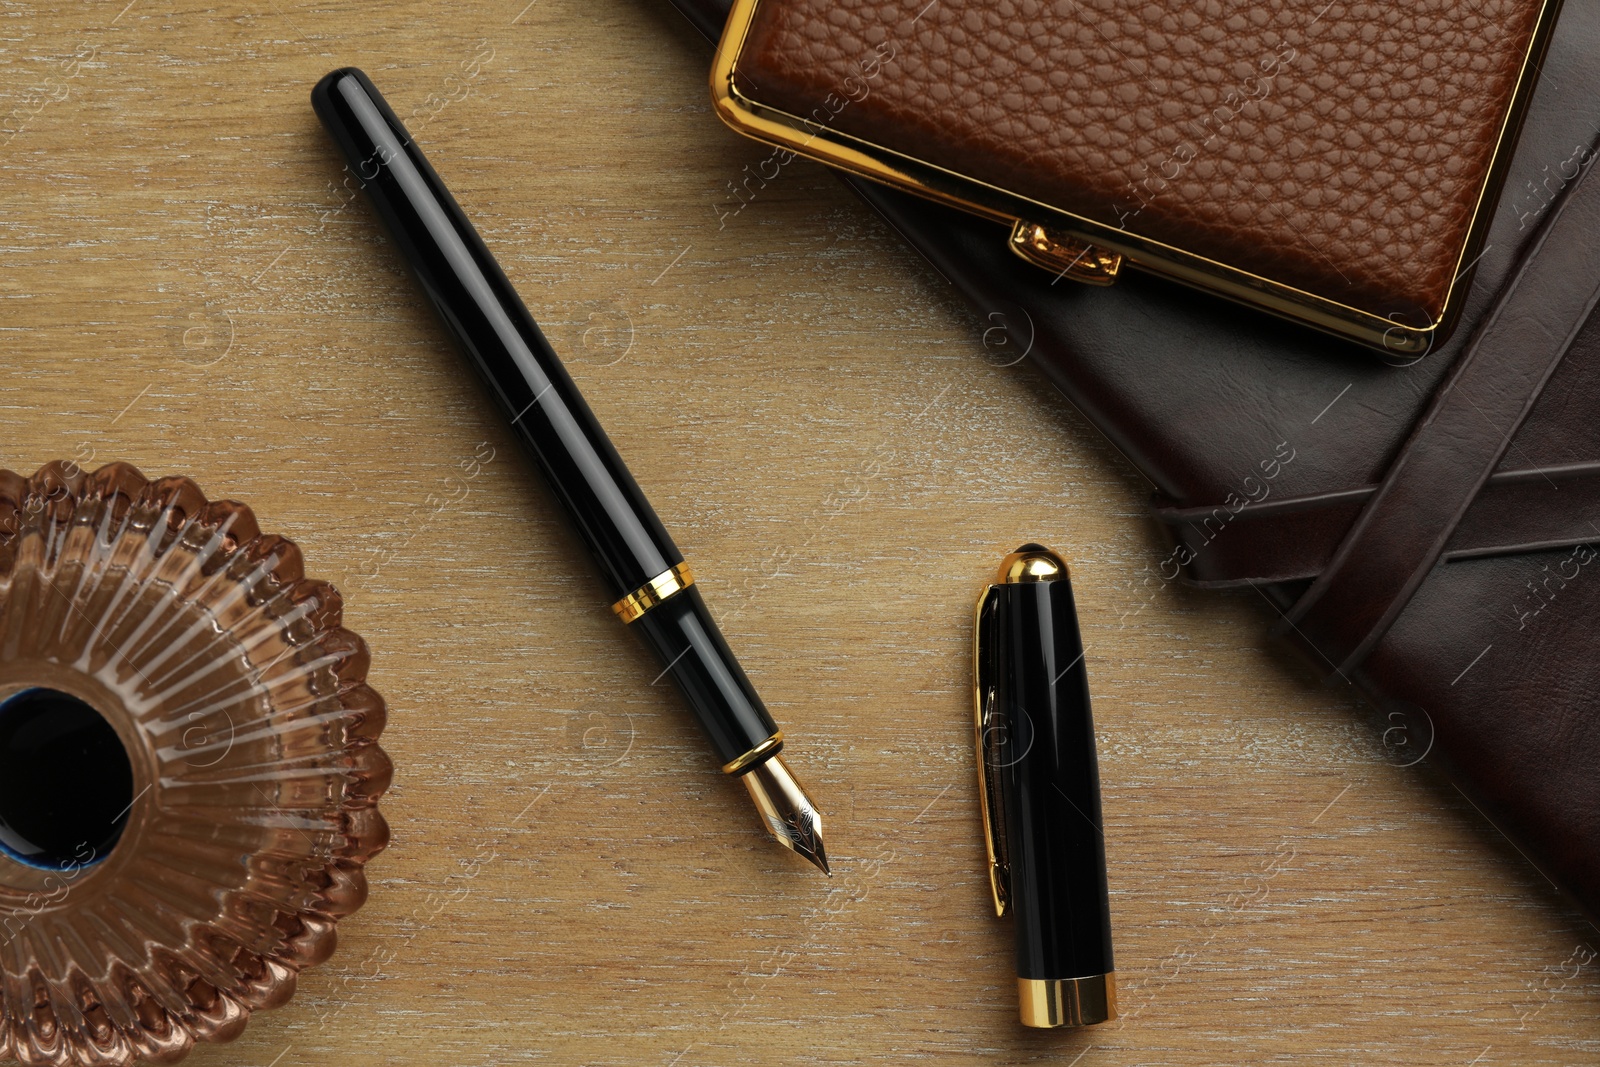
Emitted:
<point x="492" y="326"/>
<point x="644" y="569"/>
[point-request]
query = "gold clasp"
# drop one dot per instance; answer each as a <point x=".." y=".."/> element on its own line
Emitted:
<point x="1086" y="263"/>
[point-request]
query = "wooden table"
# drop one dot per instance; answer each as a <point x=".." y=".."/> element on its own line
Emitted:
<point x="188" y="285"/>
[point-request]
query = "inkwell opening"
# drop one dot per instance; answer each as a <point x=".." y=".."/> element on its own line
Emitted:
<point x="66" y="783"/>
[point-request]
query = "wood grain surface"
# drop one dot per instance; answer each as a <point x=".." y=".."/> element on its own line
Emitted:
<point x="190" y="284"/>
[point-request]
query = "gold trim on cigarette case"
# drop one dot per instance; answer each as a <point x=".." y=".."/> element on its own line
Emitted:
<point x="667" y="583"/>
<point x="1050" y="1002"/>
<point x="1059" y="227"/>
<point x="755" y="755"/>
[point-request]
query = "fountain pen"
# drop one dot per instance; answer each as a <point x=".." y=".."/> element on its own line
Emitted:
<point x="651" y="585"/>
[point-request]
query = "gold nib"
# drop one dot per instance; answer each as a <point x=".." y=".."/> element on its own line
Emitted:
<point x="788" y="812"/>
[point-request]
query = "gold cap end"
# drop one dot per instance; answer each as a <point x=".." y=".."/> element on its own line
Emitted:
<point x="790" y="816"/>
<point x="1051" y="1002"/>
<point x="1031" y="563"/>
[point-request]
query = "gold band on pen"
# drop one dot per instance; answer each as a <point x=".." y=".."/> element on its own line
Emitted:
<point x="755" y="755"/>
<point x="1051" y="1002"/>
<point x="666" y="584"/>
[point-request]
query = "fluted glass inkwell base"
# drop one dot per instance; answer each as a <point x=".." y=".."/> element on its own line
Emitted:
<point x="189" y="767"/>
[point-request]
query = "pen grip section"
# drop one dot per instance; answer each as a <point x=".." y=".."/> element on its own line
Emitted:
<point x="693" y="652"/>
<point x="1043" y="753"/>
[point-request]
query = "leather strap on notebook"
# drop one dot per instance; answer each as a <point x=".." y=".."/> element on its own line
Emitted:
<point x="1407" y="526"/>
<point x="1286" y="539"/>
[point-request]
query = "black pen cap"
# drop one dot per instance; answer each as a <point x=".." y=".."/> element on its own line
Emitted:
<point x="1039" y="786"/>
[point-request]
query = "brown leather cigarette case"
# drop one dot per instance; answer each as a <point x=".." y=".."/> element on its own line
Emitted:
<point x="1329" y="161"/>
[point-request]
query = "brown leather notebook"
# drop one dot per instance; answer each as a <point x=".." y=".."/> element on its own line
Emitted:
<point x="1470" y="615"/>
<point x="1333" y="163"/>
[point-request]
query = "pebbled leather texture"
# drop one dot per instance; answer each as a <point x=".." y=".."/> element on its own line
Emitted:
<point x="1340" y="147"/>
<point x="1217" y="407"/>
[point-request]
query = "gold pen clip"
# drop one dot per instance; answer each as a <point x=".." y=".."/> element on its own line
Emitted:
<point x="986" y="734"/>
